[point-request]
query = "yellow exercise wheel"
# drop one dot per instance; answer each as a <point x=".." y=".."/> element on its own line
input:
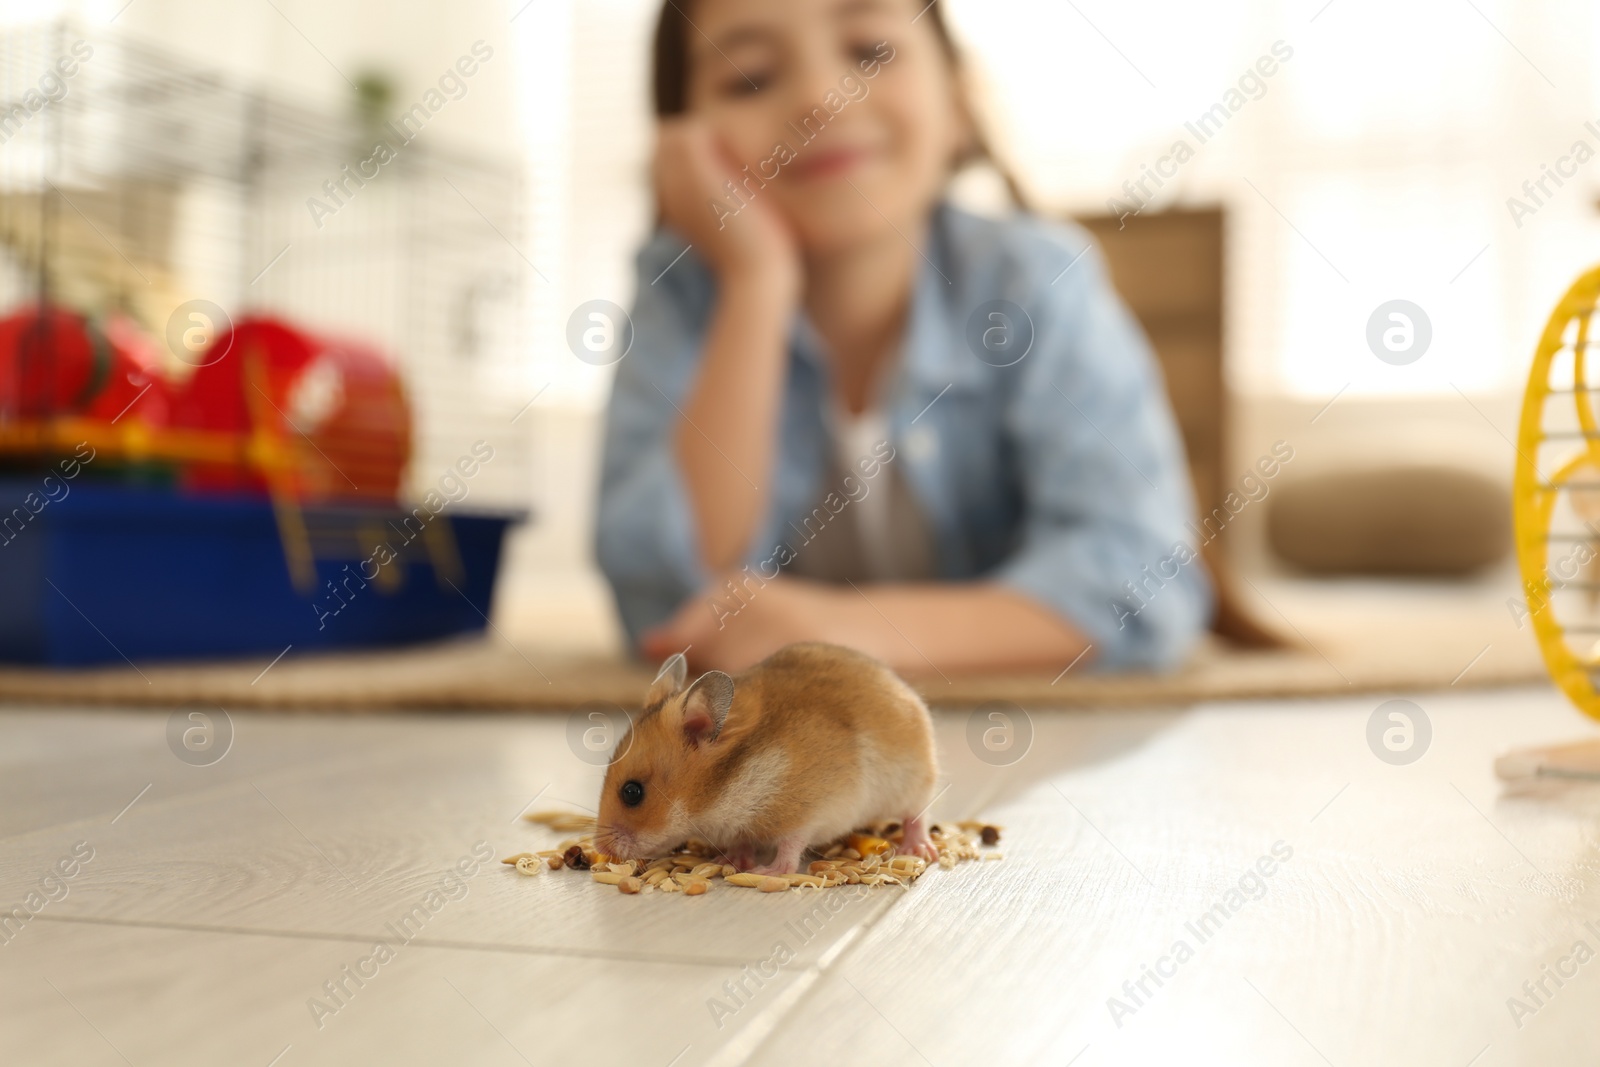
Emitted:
<point x="1556" y="495"/>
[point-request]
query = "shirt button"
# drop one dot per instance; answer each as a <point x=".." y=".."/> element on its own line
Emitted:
<point x="921" y="444"/>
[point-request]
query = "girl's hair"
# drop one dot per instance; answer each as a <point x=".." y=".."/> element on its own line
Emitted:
<point x="670" y="83"/>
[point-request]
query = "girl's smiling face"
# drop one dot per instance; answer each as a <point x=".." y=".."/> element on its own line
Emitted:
<point x="868" y="81"/>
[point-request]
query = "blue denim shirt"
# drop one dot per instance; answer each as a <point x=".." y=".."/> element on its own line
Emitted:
<point x="1059" y="474"/>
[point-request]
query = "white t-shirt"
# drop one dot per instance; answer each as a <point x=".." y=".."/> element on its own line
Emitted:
<point x="855" y="438"/>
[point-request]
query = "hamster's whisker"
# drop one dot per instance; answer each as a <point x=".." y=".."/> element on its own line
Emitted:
<point x="607" y="837"/>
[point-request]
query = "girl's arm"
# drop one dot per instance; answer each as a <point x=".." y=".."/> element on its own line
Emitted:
<point x="1105" y="541"/>
<point x="927" y="629"/>
<point x="726" y="435"/>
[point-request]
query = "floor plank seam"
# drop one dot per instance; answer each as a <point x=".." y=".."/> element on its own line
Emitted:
<point x="831" y="961"/>
<point x="221" y="789"/>
<point x="424" y="942"/>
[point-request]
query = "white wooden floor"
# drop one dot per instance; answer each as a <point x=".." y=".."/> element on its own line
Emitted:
<point x="1418" y="899"/>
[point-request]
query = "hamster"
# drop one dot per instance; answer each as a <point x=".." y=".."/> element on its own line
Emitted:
<point x="807" y="745"/>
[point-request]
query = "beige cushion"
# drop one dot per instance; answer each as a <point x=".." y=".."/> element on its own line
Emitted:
<point x="1409" y="519"/>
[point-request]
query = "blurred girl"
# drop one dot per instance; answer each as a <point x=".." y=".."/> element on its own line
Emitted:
<point x="855" y="413"/>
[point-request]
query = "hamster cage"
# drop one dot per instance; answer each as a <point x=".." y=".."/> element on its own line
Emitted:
<point x="249" y="399"/>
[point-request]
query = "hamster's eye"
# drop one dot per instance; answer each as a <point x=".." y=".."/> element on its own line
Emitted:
<point x="632" y="793"/>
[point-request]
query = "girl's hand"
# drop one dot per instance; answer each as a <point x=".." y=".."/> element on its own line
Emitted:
<point x="723" y="634"/>
<point x="744" y="242"/>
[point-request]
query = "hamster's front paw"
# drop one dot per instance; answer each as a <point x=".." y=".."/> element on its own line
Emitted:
<point x="787" y="857"/>
<point x="741" y="856"/>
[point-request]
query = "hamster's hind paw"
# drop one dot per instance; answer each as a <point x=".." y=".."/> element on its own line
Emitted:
<point x="773" y="868"/>
<point x="916" y="842"/>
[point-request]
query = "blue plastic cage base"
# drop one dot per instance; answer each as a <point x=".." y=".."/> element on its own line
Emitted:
<point x="108" y="572"/>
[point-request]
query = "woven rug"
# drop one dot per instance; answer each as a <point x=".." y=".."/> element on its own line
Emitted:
<point x="1368" y="652"/>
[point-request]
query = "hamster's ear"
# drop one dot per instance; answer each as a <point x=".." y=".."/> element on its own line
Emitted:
<point x="669" y="679"/>
<point x="705" y="707"/>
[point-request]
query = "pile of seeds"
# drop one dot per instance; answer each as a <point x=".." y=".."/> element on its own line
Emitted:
<point x="867" y="857"/>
